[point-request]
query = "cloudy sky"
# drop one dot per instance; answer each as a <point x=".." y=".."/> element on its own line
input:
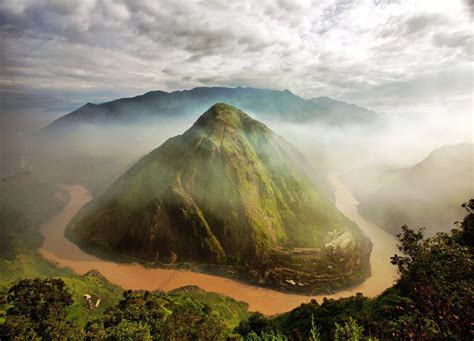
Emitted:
<point x="389" y="55"/>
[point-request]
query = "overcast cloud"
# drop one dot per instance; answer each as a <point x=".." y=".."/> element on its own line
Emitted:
<point x="388" y="55"/>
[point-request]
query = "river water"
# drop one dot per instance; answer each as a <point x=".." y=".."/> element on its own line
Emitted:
<point x="57" y="249"/>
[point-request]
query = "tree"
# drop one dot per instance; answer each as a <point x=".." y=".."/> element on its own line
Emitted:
<point x="465" y="235"/>
<point x="256" y="323"/>
<point x="350" y="331"/>
<point x="410" y="245"/>
<point x="39" y="310"/>
<point x="264" y="336"/>
<point x="433" y="298"/>
<point x="436" y="283"/>
<point x="315" y="334"/>
<point x="185" y="323"/>
<point x="143" y="315"/>
<point x="127" y="330"/>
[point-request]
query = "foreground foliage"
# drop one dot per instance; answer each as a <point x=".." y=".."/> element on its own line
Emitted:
<point x="37" y="309"/>
<point x="146" y="316"/>
<point x="432" y="300"/>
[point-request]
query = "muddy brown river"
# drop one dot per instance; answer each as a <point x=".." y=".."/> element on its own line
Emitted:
<point x="57" y="249"/>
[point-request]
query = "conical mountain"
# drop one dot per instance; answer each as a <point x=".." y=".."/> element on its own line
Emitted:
<point x="227" y="191"/>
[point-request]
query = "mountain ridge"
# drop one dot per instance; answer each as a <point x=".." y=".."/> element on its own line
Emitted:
<point x="428" y="194"/>
<point x="265" y="103"/>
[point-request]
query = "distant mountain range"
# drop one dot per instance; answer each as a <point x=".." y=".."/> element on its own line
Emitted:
<point x="262" y="103"/>
<point x="428" y="194"/>
<point x="230" y="192"/>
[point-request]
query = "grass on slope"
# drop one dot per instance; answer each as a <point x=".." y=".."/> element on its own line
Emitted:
<point x="27" y="263"/>
<point x="231" y="310"/>
<point x="25" y="202"/>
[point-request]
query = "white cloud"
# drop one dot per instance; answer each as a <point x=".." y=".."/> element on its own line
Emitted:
<point x="374" y="53"/>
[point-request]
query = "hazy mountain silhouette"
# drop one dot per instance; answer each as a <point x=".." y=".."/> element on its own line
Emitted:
<point x="263" y="103"/>
<point x="428" y="194"/>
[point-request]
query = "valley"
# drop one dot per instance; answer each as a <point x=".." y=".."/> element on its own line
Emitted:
<point x="241" y="170"/>
<point x="57" y="249"/>
<point x="426" y="194"/>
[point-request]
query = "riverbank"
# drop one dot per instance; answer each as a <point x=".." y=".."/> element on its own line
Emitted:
<point x="64" y="253"/>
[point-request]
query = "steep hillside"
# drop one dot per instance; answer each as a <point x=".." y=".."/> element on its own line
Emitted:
<point x="231" y="192"/>
<point x="429" y="194"/>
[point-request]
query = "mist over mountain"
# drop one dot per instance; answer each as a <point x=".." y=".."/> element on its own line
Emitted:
<point x="125" y="129"/>
<point x="263" y="103"/>
<point x="428" y="194"/>
<point x="227" y="191"/>
<point x="236" y="170"/>
<point x="338" y="112"/>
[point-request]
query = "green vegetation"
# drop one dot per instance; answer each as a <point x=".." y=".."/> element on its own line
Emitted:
<point x="231" y="310"/>
<point x="432" y="300"/>
<point x="38" y="309"/>
<point x="228" y="191"/>
<point x="27" y="263"/>
<point x="22" y="266"/>
<point x="349" y="331"/>
<point x="157" y="315"/>
<point x="92" y="284"/>
<point x="26" y="202"/>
